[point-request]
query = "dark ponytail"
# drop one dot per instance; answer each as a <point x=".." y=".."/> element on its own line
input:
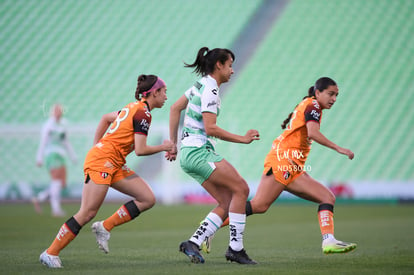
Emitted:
<point x="286" y="121"/>
<point x="321" y="84"/>
<point x="311" y="92"/>
<point x="206" y="60"/>
<point x="145" y="82"/>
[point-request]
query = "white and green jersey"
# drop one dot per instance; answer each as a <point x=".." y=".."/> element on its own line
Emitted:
<point x="202" y="97"/>
<point x="54" y="140"/>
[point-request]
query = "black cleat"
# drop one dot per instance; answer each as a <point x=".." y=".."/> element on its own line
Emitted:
<point x="192" y="251"/>
<point x="238" y="256"/>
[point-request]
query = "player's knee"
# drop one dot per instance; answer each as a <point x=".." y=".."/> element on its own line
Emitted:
<point x="332" y="199"/>
<point x="242" y="193"/>
<point x="243" y="188"/>
<point x="329" y="198"/>
<point x="152" y="202"/>
<point x="148" y="202"/>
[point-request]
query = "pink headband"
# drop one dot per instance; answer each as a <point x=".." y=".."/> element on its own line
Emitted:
<point x="157" y="85"/>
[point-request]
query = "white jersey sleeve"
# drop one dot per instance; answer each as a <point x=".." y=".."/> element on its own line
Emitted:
<point x="210" y="101"/>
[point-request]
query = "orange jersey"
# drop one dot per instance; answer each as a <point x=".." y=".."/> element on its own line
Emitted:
<point x="293" y="144"/>
<point x="110" y="152"/>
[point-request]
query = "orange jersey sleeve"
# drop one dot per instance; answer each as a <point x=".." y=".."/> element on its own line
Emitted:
<point x="294" y="143"/>
<point x="119" y="141"/>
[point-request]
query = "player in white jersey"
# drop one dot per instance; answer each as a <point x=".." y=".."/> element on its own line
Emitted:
<point x="53" y="150"/>
<point x="199" y="159"/>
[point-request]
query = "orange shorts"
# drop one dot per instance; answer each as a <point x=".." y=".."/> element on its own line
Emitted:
<point x="284" y="170"/>
<point x="101" y="170"/>
<point x="107" y="178"/>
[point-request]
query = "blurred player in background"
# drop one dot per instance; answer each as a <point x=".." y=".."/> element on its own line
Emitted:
<point x="199" y="159"/>
<point x="285" y="169"/>
<point x="53" y="149"/>
<point x="105" y="167"/>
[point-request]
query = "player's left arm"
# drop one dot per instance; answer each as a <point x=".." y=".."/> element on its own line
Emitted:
<point x="212" y="129"/>
<point x="141" y="124"/>
<point x="143" y="149"/>
<point x="315" y="134"/>
<point x="209" y="108"/>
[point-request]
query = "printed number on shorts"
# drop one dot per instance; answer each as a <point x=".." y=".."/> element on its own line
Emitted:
<point x="121" y="117"/>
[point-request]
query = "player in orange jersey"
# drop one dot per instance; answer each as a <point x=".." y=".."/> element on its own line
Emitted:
<point x="105" y="167"/>
<point x="285" y="169"/>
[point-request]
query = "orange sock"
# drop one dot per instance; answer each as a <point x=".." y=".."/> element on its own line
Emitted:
<point x="124" y="214"/>
<point x="326" y="222"/>
<point x="63" y="238"/>
<point x="249" y="211"/>
<point x="225" y="223"/>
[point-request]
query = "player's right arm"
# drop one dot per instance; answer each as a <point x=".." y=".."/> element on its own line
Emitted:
<point x="103" y="125"/>
<point x="175" y="114"/>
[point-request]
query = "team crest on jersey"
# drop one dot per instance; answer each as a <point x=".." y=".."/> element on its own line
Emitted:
<point x="316" y="104"/>
<point x="286" y="175"/>
<point x="104" y="175"/>
<point x="147" y="112"/>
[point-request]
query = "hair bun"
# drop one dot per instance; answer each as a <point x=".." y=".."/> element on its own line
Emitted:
<point x="142" y="77"/>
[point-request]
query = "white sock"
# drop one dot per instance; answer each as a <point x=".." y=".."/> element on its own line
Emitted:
<point x="328" y="238"/>
<point x="43" y="195"/>
<point x="237" y="222"/>
<point x="208" y="227"/>
<point x="55" y="189"/>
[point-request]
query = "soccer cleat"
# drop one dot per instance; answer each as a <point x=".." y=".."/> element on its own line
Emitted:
<point x="206" y="244"/>
<point x="240" y="257"/>
<point x="102" y="236"/>
<point x="335" y="246"/>
<point x="50" y="260"/>
<point x="192" y="251"/>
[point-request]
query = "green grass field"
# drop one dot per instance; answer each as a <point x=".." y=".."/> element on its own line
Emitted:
<point x="285" y="240"/>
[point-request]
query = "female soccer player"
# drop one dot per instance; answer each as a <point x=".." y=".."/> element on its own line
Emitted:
<point x="199" y="159"/>
<point x="284" y="166"/>
<point x="105" y="167"/>
<point x="53" y="148"/>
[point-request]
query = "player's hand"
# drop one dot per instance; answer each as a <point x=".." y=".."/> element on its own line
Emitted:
<point x="39" y="163"/>
<point x="346" y="152"/>
<point x="172" y="154"/>
<point x="168" y="145"/>
<point x="251" y="135"/>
